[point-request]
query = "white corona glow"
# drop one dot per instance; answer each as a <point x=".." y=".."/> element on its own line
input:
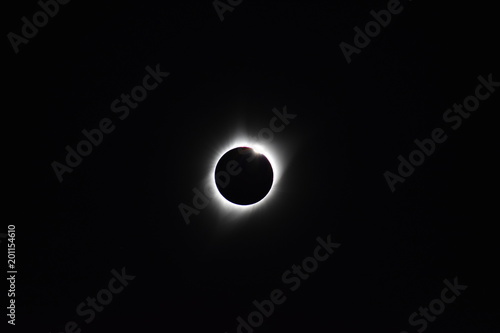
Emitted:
<point x="257" y="149"/>
<point x="270" y="151"/>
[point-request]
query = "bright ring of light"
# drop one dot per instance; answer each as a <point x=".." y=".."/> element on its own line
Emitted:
<point x="227" y="207"/>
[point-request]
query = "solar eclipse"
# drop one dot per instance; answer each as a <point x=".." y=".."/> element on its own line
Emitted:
<point x="243" y="175"/>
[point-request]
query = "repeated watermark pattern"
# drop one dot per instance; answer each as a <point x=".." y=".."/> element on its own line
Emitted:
<point x="453" y="117"/>
<point x="201" y="199"/>
<point x="292" y="279"/>
<point x="362" y="38"/>
<point x="436" y="307"/>
<point x="40" y="19"/>
<point x="89" y="308"/>
<point x="121" y="107"/>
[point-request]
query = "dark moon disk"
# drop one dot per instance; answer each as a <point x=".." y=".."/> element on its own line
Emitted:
<point x="243" y="176"/>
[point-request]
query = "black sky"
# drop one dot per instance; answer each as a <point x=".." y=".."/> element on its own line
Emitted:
<point x="119" y="207"/>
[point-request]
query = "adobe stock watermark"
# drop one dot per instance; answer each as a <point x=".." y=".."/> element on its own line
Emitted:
<point x="292" y="279"/>
<point x="436" y="307"/>
<point x="121" y="107"/>
<point x="93" y="305"/>
<point x="453" y="117"/>
<point x="372" y="29"/>
<point x="221" y="7"/>
<point x="201" y="199"/>
<point x="29" y="29"/>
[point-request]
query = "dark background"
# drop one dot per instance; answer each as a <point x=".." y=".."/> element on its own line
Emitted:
<point x="119" y="208"/>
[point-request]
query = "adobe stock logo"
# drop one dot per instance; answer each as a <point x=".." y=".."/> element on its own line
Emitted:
<point x="94" y="137"/>
<point x="222" y="7"/>
<point x="292" y="279"/>
<point x="454" y="118"/>
<point x="201" y="199"/>
<point x="372" y="29"/>
<point x="426" y="315"/>
<point x="104" y="297"/>
<point x="29" y="30"/>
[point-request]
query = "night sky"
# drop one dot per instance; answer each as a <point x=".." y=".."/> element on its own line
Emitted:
<point x="378" y="242"/>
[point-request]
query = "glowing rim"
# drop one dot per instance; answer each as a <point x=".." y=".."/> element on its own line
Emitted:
<point x="270" y="152"/>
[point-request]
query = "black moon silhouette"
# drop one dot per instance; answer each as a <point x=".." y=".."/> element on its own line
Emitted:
<point x="243" y="176"/>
